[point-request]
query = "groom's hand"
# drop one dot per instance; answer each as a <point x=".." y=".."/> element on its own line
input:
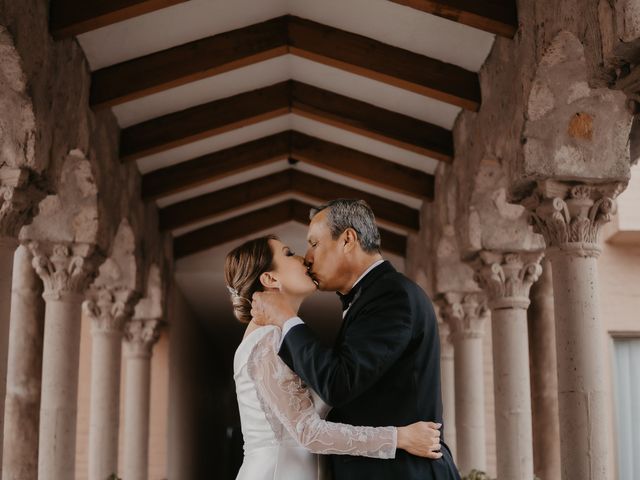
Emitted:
<point x="271" y="308"/>
<point x="421" y="439"/>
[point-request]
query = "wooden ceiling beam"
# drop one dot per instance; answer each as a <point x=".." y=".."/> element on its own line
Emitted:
<point x="499" y="17"/>
<point x="227" y="200"/>
<point x="232" y="229"/>
<point x="294" y="145"/>
<point x="385" y="63"/>
<point x="260" y="220"/>
<point x="214" y="166"/>
<point x="361" y="166"/>
<point x="187" y="63"/>
<point x="230" y="113"/>
<point x="201" y="121"/>
<point x="226" y="51"/>
<point x="68" y="18"/>
<point x="371" y="121"/>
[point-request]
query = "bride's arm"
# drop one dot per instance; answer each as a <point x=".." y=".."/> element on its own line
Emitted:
<point x="285" y="399"/>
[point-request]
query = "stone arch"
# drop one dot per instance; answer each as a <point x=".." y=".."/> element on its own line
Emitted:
<point x="151" y="306"/>
<point x="17" y="119"/>
<point x="122" y="268"/>
<point x="70" y="215"/>
<point x="573" y="131"/>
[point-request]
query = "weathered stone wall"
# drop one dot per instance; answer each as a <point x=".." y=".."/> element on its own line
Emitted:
<point x="546" y="111"/>
<point x="46" y="89"/>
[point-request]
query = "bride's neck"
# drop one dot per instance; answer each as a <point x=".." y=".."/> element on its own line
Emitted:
<point x="294" y="300"/>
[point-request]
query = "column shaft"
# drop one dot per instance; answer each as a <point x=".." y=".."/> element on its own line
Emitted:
<point x="24" y="372"/>
<point x="544" y="377"/>
<point x="8" y="247"/>
<point x="581" y="379"/>
<point x="136" y="420"/>
<point x="448" y="396"/>
<point x="512" y="393"/>
<point x="105" y="404"/>
<point x="469" y="384"/>
<point x="58" y="410"/>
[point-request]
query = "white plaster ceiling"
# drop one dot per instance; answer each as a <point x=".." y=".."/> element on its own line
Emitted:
<point x="200" y="275"/>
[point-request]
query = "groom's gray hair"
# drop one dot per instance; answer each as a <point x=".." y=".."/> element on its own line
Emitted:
<point x="344" y="213"/>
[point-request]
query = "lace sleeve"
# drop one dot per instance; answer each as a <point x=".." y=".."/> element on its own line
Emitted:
<point x="286" y="399"/>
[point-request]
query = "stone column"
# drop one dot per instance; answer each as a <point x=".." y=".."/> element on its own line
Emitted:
<point x="570" y="217"/>
<point x="140" y="336"/>
<point x="465" y="313"/>
<point x="16" y="200"/>
<point x="8" y="247"/>
<point x="447" y="373"/>
<point x="544" y="377"/>
<point x="24" y="372"/>
<point x="66" y="271"/>
<point x="108" y="309"/>
<point x="507" y="278"/>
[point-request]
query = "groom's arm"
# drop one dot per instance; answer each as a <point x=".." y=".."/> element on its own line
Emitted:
<point x="372" y="343"/>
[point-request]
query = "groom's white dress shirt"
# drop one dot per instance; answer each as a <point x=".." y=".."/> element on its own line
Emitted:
<point x="295" y="321"/>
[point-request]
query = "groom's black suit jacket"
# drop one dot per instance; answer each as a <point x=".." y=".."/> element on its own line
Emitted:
<point x="384" y="369"/>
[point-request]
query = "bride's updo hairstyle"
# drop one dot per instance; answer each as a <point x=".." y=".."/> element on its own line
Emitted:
<point x="242" y="269"/>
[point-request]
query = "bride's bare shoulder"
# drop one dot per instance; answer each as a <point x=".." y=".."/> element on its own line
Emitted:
<point x="251" y="327"/>
<point x="270" y="331"/>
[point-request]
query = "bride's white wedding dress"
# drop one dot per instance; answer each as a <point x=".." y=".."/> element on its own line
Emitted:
<point x="283" y="421"/>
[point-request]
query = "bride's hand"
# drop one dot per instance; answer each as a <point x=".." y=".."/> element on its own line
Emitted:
<point x="421" y="439"/>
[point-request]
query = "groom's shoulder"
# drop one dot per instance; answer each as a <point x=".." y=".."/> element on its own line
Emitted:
<point x="393" y="279"/>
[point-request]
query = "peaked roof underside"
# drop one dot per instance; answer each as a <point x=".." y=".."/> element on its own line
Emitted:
<point x="240" y="114"/>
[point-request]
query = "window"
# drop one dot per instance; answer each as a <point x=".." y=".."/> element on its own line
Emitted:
<point x="627" y="401"/>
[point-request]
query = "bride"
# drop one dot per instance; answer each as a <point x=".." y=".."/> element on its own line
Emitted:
<point x="282" y="420"/>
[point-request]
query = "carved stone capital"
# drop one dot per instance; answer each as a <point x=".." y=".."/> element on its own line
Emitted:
<point x="109" y="308"/>
<point x="570" y="215"/>
<point x="140" y="335"/>
<point x="17" y="200"/>
<point x="464" y="313"/>
<point x="65" y="270"/>
<point x="507" y="277"/>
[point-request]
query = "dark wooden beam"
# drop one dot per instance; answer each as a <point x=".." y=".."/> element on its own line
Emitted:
<point x="390" y="241"/>
<point x="202" y="121"/>
<point x="73" y="17"/>
<point x="219" y="53"/>
<point x="211" y="167"/>
<point x="232" y="229"/>
<point x="387" y="210"/>
<point x="261" y="220"/>
<point x="379" y="61"/>
<point x="494" y="16"/>
<point x="216" y="117"/>
<point x="199" y="208"/>
<point x="371" y="121"/>
<point x="294" y="145"/>
<point x="225" y="200"/>
<point x="361" y="166"/>
<point x="374" y="122"/>
<point x="189" y="62"/>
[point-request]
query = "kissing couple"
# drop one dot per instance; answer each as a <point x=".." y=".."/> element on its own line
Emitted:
<point x="371" y="404"/>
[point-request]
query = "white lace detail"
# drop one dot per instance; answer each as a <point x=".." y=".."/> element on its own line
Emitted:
<point x="288" y="405"/>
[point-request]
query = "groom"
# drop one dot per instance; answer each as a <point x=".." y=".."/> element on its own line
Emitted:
<point x="384" y="368"/>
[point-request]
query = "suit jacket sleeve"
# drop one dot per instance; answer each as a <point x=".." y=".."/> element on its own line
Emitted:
<point x="374" y="339"/>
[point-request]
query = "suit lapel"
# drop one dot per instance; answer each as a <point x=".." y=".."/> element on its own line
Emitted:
<point x="366" y="282"/>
